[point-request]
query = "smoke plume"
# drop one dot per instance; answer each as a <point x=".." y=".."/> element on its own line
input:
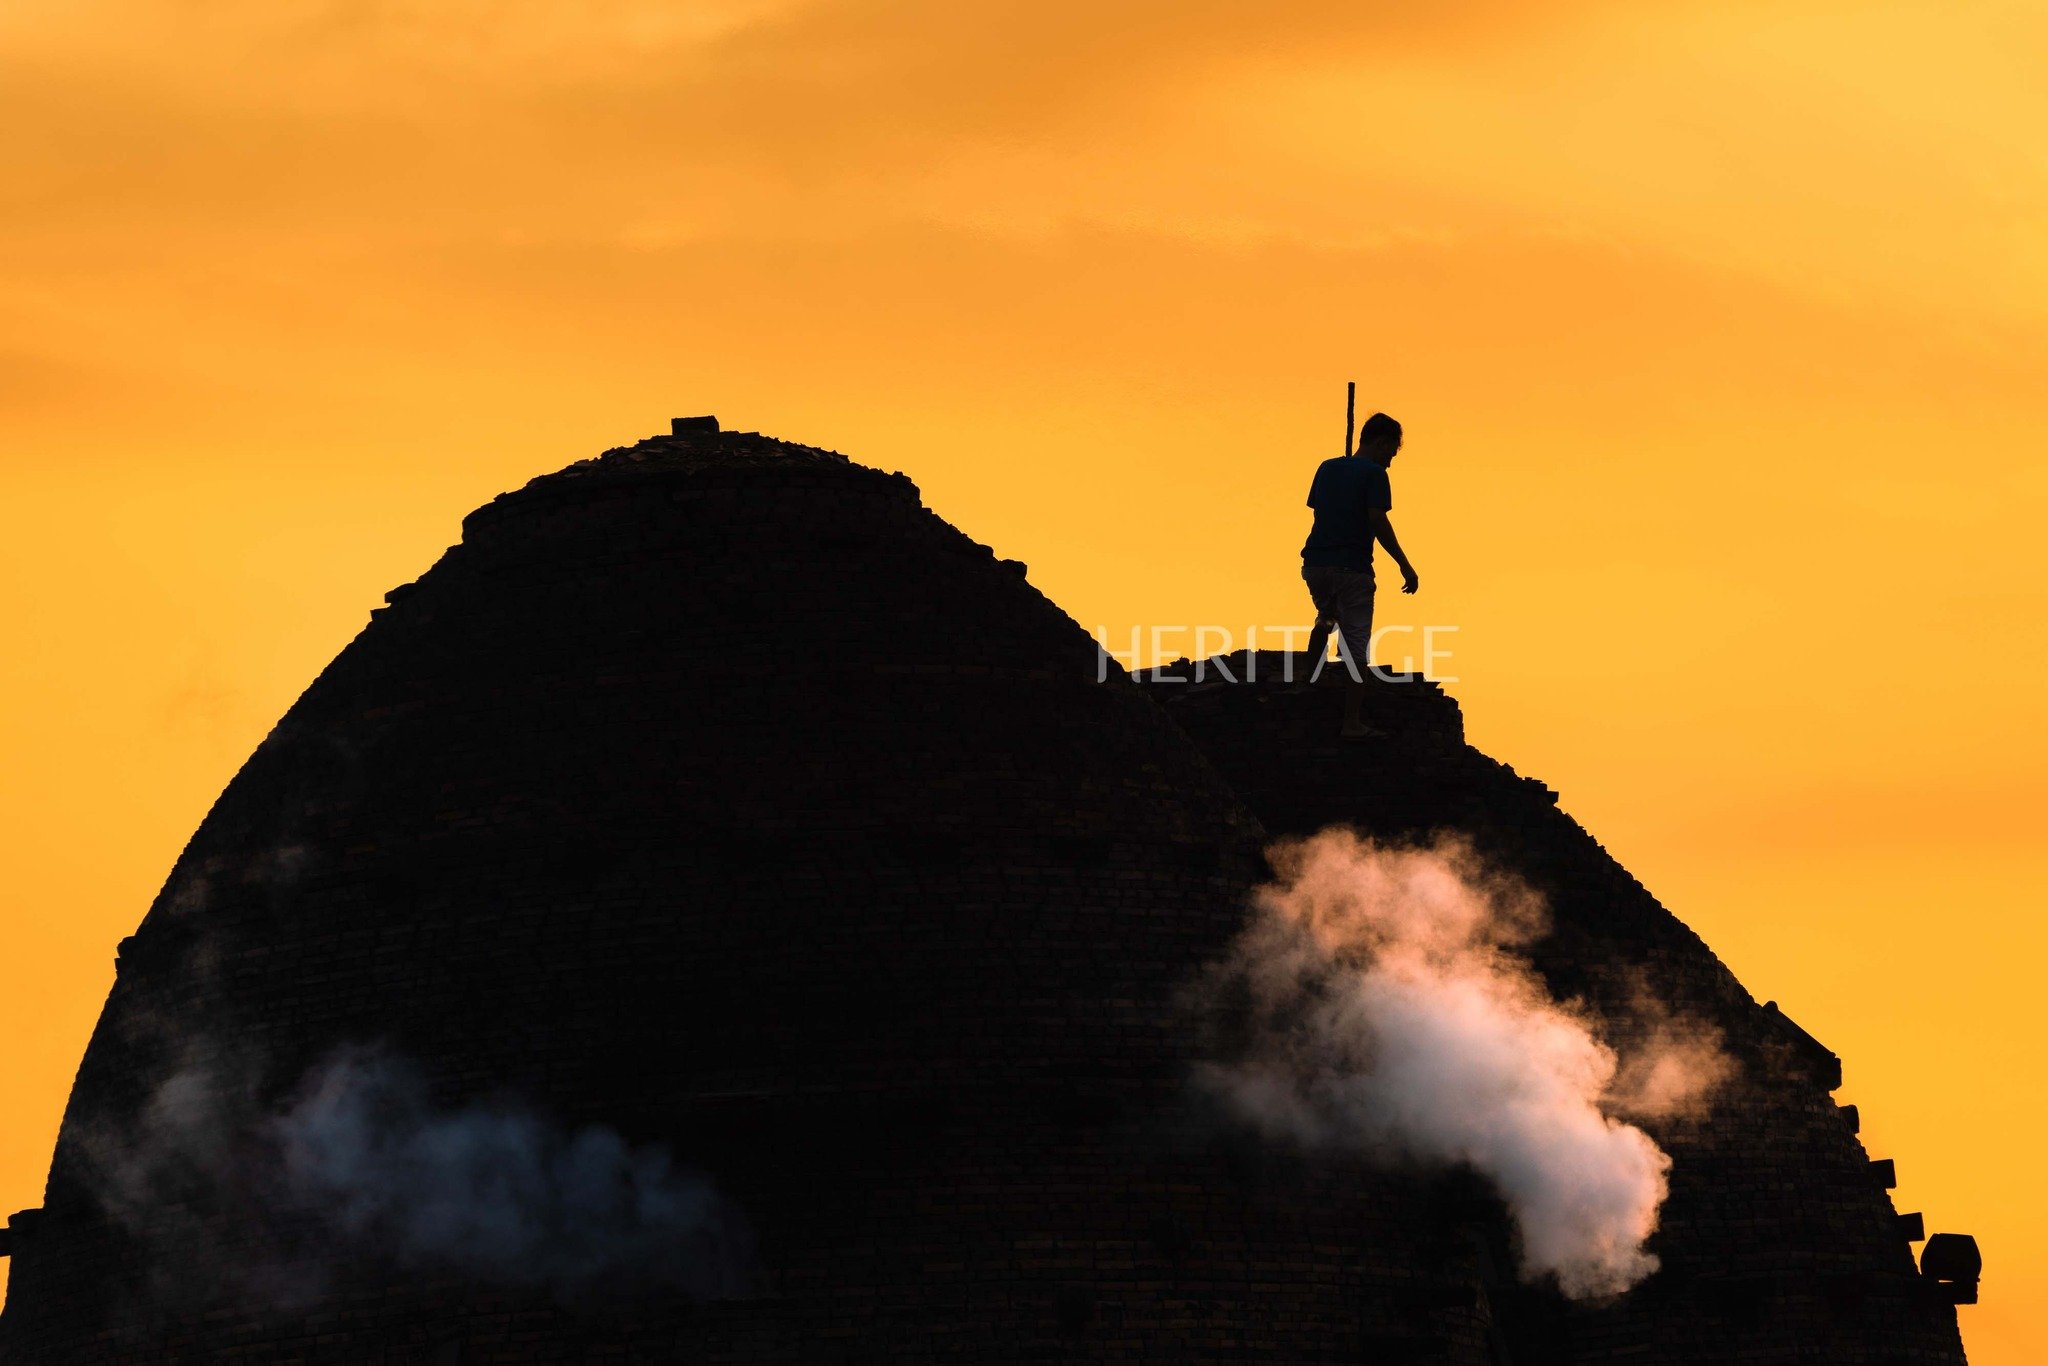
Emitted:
<point x="358" y="1165"/>
<point x="495" y="1190"/>
<point x="1387" y="1012"/>
<point x="1672" y="1067"/>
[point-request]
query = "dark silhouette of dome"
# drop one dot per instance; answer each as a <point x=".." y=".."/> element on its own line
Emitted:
<point x="1778" y="1242"/>
<point x="714" y="794"/>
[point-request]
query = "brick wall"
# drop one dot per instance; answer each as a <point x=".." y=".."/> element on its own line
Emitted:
<point x="1778" y="1243"/>
<point x="716" y="791"/>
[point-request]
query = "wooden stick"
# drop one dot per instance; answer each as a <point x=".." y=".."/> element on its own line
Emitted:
<point x="1350" y="411"/>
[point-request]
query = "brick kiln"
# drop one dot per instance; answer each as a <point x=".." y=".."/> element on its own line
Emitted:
<point x="715" y="796"/>
<point x="1779" y="1242"/>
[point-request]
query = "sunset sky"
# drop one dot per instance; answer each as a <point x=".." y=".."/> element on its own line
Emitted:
<point x="1719" y="328"/>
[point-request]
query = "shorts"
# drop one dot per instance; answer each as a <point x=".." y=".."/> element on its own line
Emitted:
<point x="1344" y="596"/>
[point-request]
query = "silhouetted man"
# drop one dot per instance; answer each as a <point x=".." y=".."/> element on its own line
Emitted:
<point x="1351" y="497"/>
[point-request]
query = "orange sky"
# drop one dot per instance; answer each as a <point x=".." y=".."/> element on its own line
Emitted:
<point x="1719" y="329"/>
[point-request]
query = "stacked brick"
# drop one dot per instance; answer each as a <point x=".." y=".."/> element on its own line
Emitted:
<point x="1779" y="1243"/>
<point x="717" y="792"/>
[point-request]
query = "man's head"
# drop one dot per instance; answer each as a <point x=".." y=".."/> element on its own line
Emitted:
<point x="1380" y="439"/>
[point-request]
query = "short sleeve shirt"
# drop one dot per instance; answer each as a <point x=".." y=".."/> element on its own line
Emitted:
<point x="1346" y="492"/>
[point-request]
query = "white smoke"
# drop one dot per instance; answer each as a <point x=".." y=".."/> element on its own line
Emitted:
<point x="1672" y="1068"/>
<point x="1388" y="1013"/>
<point x="359" y="1165"/>
<point x="496" y="1191"/>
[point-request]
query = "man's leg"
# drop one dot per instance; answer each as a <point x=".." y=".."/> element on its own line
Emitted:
<point x="1319" y="594"/>
<point x="1355" y="621"/>
<point x="1318" y="644"/>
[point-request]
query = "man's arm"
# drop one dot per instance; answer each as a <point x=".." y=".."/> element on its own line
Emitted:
<point x="1383" y="532"/>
